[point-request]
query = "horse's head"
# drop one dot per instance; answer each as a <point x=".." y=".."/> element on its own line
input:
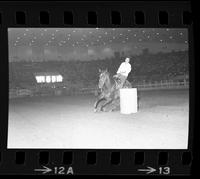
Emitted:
<point x="103" y="78"/>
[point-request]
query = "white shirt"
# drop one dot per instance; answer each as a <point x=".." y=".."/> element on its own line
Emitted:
<point x="124" y="69"/>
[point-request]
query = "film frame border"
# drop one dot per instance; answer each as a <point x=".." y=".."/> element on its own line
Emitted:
<point x="103" y="11"/>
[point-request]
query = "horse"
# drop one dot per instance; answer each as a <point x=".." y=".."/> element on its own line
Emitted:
<point x="109" y="91"/>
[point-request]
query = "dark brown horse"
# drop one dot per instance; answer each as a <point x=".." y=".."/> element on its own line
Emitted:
<point x="109" y="91"/>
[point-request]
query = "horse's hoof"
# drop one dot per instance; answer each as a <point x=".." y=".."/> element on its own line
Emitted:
<point x="95" y="110"/>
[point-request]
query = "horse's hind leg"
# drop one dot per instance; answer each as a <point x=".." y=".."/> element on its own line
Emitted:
<point x="116" y="105"/>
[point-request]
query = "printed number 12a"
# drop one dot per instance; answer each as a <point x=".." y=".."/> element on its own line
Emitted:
<point x="59" y="170"/>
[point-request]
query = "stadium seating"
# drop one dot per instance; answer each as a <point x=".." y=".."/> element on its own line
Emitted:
<point x="145" y="67"/>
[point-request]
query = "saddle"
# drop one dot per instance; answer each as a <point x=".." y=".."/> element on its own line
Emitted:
<point x="118" y="82"/>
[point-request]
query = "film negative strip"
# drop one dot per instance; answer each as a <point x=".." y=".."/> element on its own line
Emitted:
<point x="96" y="88"/>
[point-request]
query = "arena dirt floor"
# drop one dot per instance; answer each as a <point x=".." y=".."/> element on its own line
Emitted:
<point x="68" y="122"/>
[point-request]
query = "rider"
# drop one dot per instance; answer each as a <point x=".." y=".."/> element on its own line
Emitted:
<point x="123" y="71"/>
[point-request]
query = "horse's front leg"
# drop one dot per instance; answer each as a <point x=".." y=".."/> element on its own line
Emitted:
<point x="108" y="102"/>
<point x="97" y="103"/>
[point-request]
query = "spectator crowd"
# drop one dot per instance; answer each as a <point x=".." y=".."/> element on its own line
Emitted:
<point x="146" y="66"/>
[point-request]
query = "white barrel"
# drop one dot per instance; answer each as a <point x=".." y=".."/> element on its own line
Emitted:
<point x="128" y="100"/>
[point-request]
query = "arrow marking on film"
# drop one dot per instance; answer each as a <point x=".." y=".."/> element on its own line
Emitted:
<point x="148" y="170"/>
<point x="44" y="170"/>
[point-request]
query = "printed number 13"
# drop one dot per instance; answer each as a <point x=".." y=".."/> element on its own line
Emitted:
<point x="164" y="170"/>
